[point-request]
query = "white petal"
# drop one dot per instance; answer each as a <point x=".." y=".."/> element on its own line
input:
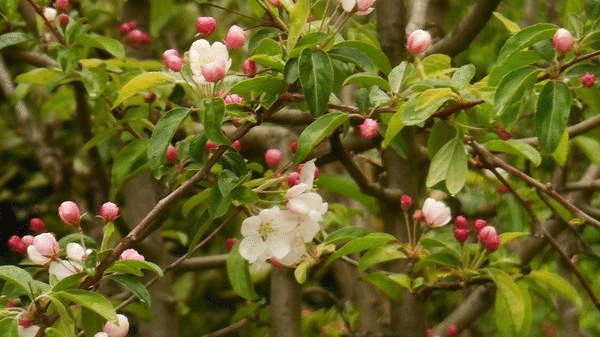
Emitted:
<point x="279" y="245"/>
<point x="298" y="206"/>
<point x="75" y="251"/>
<point x="250" y="225"/>
<point x="28" y="332"/>
<point x="251" y="248"/>
<point x="348" y="5"/>
<point x="307" y="230"/>
<point x="36" y="257"/>
<point x="297" y="190"/>
<point x="101" y="334"/>
<point x="307" y="174"/>
<point x="61" y="269"/>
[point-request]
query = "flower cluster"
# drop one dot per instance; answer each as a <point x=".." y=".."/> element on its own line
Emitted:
<point x="486" y="234"/>
<point x="282" y="233"/>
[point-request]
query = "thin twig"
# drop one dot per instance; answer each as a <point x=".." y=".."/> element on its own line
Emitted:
<point x="229" y="329"/>
<point x="570" y="63"/>
<point x="49" y="24"/>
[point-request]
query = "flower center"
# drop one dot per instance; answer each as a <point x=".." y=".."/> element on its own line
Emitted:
<point x="265" y="229"/>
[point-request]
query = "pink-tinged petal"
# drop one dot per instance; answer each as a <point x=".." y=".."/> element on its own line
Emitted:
<point x="36" y="257"/>
<point x="118" y="329"/>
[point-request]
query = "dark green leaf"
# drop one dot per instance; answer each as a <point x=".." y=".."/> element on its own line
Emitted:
<point x="239" y="275"/>
<point x="135" y="286"/>
<point x="346" y="233"/>
<point x="556" y="284"/>
<point x="102" y="42"/>
<point x="90" y="300"/>
<point x="525" y="38"/>
<point x="379" y="255"/>
<point x="162" y="135"/>
<point x="511" y="89"/>
<point x="124" y="162"/>
<point x="18" y="276"/>
<point x="375" y="54"/>
<point x="264" y="88"/>
<point x="369" y="241"/>
<point x="316" y="132"/>
<point x="449" y="164"/>
<point x="367" y="80"/>
<point x="552" y="114"/>
<point x="384" y="283"/>
<point x="316" y="77"/>
<point x="212" y="120"/>
<point x="515" y="147"/>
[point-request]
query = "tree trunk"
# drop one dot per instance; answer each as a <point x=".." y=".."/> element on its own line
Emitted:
<point x="285" y="303"/>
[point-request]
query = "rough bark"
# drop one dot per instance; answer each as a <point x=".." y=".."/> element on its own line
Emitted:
<point x="285" y="303"/>
<point x="391" y="21"/>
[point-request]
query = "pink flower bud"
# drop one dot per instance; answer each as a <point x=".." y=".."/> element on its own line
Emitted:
<point x="214" y="71"/>
<point x="237" y="145"/>
<point x="294" y="146"/>
<point x="275" y="3"/>
<point x="138" y="38"/>
<point x="452" y="330"/>
<point x="236" y="37"/>
<point x="109" y="211"/>
<point x="461" y="234"/>
<point x="150" y="98"/>
<point x="293" y="179"/>
<point x="16" y="244"/>
<point x="229" y="243"/>
<point x="311" y="18"/>
<point x="209" y="146"/>
<point x="171" y="154"/>
<point x="364" y="7"/>
<point x="461" y="222"/>
<point x="234" y="99"/>
<point x="62" y="4"/>
<point x="249" y="68"/>
<point x="563" y="40"/>
<point x="46" y="244"/>
<point x="503" y="189"/>
<point x="63" y="19"/>
<point x="406" y="201"/>
<point x="50" y="13"/>
<point x="479" y="224"/>
<point x="369" y="128"/>
<point x="132" y="254"/>
<point x="69" y="213"/>
<point x="429" y="333"/>
<point x="493" y="243"/>
<point x="127" y="27"/>
<point x="588" y="80"/>
<point x="173" y="60"/>
<point x="206" y="25"/>
<point x="37" y="225"/>
<point x="273" y="157"/>
<point x="27" y="240"/>
<point x="418" y="42"/>
<point x="120" y="329"/>
<point x="25" y="320"/>
<point x="11" y="303"/>
<point x="486" y="234"/>
<point x="418" y="216"/>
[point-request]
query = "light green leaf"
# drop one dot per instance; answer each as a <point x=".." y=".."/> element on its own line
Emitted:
<point x="427" y="103"/>
<point x="515" y="147"/>
<point x="511" y="89"/>
<point x="111" y="45"/>
<point x="367" y="80"/>
<point x="526" y="38"/>
<point x="135" y="267"/>
<point x="90" y="300"/>
<point x="298" y="15"/>
<point x="345" y="234"/>
<point x="449" y="164"/>
<point x="589" y="146"/>
<point x="510" y="296"/>
<point x="110" y="237"/>
<point x="394" y="126"/>
<point x="135" y="286"/>
<point x="508" y="236"/>
<point x="463" y="75"/>
<point x="552" y="114"/>
<point x="316" y="132"/>
<point x="562" y="150"/>
<point x="316" y="78"/>
<point x="511" y="26"/>
<point x="18" y="276"/>
<point x="399" y="74"/>
<point x="124" y="162"/>
<point x="239" y="275"/>
<point x="162" y="135"/>
<point x="556" y="284"/>
<point x="13" y="38"/>
<point x="379" y="255"/>
<point x="436" y="65"/>
<point x="40" y="76"/>
<point x="140" y="83"/>
<point x="9" y="327"/>
<point x="372" y="240"/>
<point x="384" y="283"/>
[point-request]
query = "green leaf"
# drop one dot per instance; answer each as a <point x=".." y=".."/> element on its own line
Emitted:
<point x="13" y="38"/>
<point x="239" y="275"/>
<point x="268" y="61"/>
<point x="91" y="300"/>
<point x="552" y="114"/>
<point x="351" y="55"/>
<point x="375" y="54"/>
<point x="316" y="78"/>
<point x="124" y="162"/>
<point x="557" y="284"/>
<point x="379" y="255"/>
<point x="508" y="236"/>
<point x="134" y="267"/>
<point x="69" y="282"/>
<point x="194" y="202"/>
<point x="160" y="13"/>
<point x="511" y="89"/>
<point x="298" y="15"/>
<point x="162" y="135"/>
<point x="372" y="240"/>
<point x="227" y="181"/>
<point x="212" y="120"/>
<point x="508" y="24"/>
<point x="427" y="103"/>
<point x="111" y="45"/>
<point x="463" y="75"/>
<point x="110" y="237"/>
<point x="394" y="126"/>
<point x="515" y="147"/>
<point x="346" y="187"/>
<point x="589" y="146"/>
<point x="316" y="132"/>
<point x="526" y="38"/>
<point x="18" y="276"/>
<point x="40" y="76"/>
<point x="135" y="286"/>
<point x="399" y="74"/>
<point x="384" y="283"/>
<point x="511" y="297"/>
<point x="309" y="40"/>
<point x="140" y="83"/>
<point x="345" y="234"/>
<point x="218" y="204"/>
<point x="449" y="164"/>
<point x="436" y="65"/>
<point x="514" y="61"/>
<point x="9" y="327"/>
<point x="562" y="150"/>
<point x="264" y="88"/>
<point x="367" y="80"/>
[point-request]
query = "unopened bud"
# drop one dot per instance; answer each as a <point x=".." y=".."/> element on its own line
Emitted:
<point x="300" y="166"/>
<point x="50" y="13"/>
<point x="249" y="68"/>
<point x="209" y="146"/>
<point x="418" y="216"/>
<point x="132" y="254"/>
<point x="127" y="27"/>
<point x="418" y="42"/>
<point x="293" y="179"/>
<point x="171" y="154"/>
<point x="461" y="235"/>
<point x="294" y="146"/>
<point x="62" y="4"/>
<point x="37" y="225"/>
<point x="214" y="71"/>
<point x="563" y="40"/>
<point x="109" y="211"/>
<point x="120" y="329"/>
<point x="588" y="80"/>
<point x="237" y="145"/>
<point x="206" y="25"/>
<point x="27" y="240"/>
<point x="46" y="244"/>
<point x="16" y="244"/>
<point x="452" y="330"/>
<point x="503" y="189"/>
<point x="230" y="243"/>
<point x="236" y="37"/>
<point x="150" y="98"/>
<point x="406" y="201"/>
<point x="172" y="60"/>
<point x="461" y="222"/>
<point x="369" y="128"/>
<point x="63" y="19"/>
<point x="273" y="157"/>
<point x="69" y="213"/>
<point x="493" y="244"/>
<point x="234" y="99"/>
<point x="479" y="224"/>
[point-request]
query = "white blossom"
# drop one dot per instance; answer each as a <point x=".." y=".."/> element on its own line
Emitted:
<point x="266" y="235"/>
<point x="436" y="213"/>
<point x="202" y="52"/>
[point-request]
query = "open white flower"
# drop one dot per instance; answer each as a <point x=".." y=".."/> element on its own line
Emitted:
<point x="296" y="253"/>
<point x="202" y="52"/>
<point x="436" y="213"/>
<point x="65" y="268"/>
<point x="266" y="235"/>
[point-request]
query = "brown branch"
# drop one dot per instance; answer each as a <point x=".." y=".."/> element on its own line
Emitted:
<point x="445" y="113"/>
<point x="49" y="24"/>
<point x="573" y="130"/>
<point x="466" y="30"/>
<point x="202" y="263"/>
<point x="573" y="61"/>
<point x="581" y="186"/>
<point x="494" y="161"/>
<point x="229" y="329"/>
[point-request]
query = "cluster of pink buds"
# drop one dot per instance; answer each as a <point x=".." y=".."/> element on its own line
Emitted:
<point x="486" y="234"/>
<point x="461" y="229"/>
<point x="563" y="40"/>
<point x="369" y="128"/>
<point x="19" y="245"/>
<point x="173" y="60"/>
<point x="418" y="42"/>
<point x="588" y="80"/>
<point x="234" y="99"/>
<point x="135" y="36"/>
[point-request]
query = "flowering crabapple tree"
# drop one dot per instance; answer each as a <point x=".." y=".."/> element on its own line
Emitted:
<point x="299" y="168"/>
